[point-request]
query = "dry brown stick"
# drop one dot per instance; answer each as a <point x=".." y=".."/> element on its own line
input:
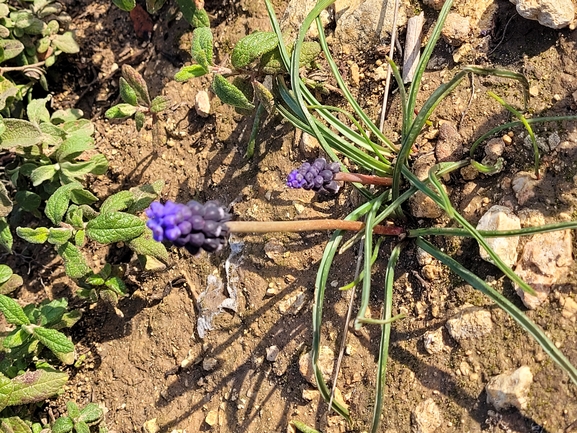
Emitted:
<point x="308" y="225"/>
<point x="412" y="46"/>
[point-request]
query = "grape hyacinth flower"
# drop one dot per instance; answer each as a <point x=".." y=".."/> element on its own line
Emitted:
<point x="193" y="226"/>
<point x="317" y="176"/>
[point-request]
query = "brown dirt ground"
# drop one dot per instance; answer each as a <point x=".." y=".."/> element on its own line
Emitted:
<point x="133" y="362"/>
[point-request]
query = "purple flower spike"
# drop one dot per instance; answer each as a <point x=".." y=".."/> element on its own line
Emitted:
<point x="317" y="176"/>
<point x="192" y="225"/>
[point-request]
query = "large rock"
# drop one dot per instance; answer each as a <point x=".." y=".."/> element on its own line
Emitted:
<point x="500" y="218"/>
<point x="470" y="322"/>
<point x="325" y="363"/>
<point x="556" y="14"/>
<point x="296" y="12"/>
<point x="426" y="418"/>
<point x="510" y="389"/>
<point x="545" y="258"/>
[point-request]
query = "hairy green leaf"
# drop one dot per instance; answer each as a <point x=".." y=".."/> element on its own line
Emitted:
<point x="37" y="111"/>
<point x="120" y="111"/>
<point x="264" y="95"/>
<point x="15" y="338"/>
<point x="5" y="273"/>
<point x="117" y="202"/>
<point x="66" y="43"/>
<point x="34" y="386"/>
<point x="72" y="409"/>
<point x="125" y="5"/>
<point x="57" y="342"/>
<point x="59" y="235"/>
<point x="6" y="239"/>
<point x="64" y="424"/>
<point x="12" y="284"/>
<point x="42" y="174"/>
<point x="19" y="133"/>
<point x="309" y="52"/>
<point x="200" y="19"/>
<point x="144" y="195"/>
<point x="79" y="126"/>
<point x="13" y="311"/>
<point x="57" y="204"/>
<point x="188" y="72"/>
<point x="114" y="227"/>
<point x="28" y="201"/>
<point x="91" y="413"/>
<point x="34" y="236"/>
<point x="14" y="424"/>
<point x="64" y="116"/>
<point x="252" y="47"/>
<point x="52" y="134"/>
<point x="73" y="147"/>
<point x="5" y="202"/>
<point x="135" y="80"/>
<point x="10" y="48"/>
<point x="229" y="94"/>
<point x="160" y="103"/>
<point x="146" y="245"/>
<point x="127" y="93"/>
<point x="139" y="120"/>
<point x="82" y="196"/>
<point x="74" y="262"/>
<point x="153" y="6"/>
<point x="117" y="285"/>
<point x="79" y="238"/>
<point x="201" y="47"/>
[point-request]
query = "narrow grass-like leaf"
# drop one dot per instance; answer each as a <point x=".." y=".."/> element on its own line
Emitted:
<point x="527" y="324"/>
<point x="527" y="231"/>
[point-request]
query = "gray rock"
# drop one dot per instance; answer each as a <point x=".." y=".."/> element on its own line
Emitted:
<point x="555" y="14"/>
<point x="500" y="218"/>
<point x="470" y="322"/>
<point x="296" y="12"/>
<point x="433" y="341"/>
<point x="426" y="417"/>
<point x="510" y="389"/>
<point x="494" y="148"/>
<point x="366" y="23"/>
<point x="449" y="146"/>
<point x="456" y="29"/>
<point x="325" y="362"/>
<point x="545" y="259"/>
<point x="202" y="103"/>
<point x="524" y="185"/>
<point x="421" y="205"/>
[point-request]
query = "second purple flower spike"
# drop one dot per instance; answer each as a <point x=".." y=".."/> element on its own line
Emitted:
<point x="317" y="176"/>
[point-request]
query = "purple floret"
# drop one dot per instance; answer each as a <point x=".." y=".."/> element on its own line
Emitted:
<point x="193" y="225"/>
<point x="317" y="176"/>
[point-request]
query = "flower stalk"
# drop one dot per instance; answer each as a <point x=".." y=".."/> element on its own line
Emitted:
<point x="308" y="225"/>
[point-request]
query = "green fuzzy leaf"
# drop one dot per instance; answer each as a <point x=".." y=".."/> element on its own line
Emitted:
<point x="43" y="44"/>
<point x="201" y="47"/>
<point x="64" y="424"/>
<point x="66" y="43"/>
<point x="251" y="47"/>
<point x="72" y="409"/>
<point x="309" y="52"/>
<point x="10" y="48"/>
<point x="14" y="424"/>
<point x="127" y="93"/>
<point x="20" y="133"/>
<point x="120" y="111"/>
<point x="37" y="111"/>
<point x="117" y="285"/>
<point x="59" y="236"/>
<point x="22" y="18"/>
<point x="153" y="6"/>
<point x="5" y="273"/>
<point x="34" y="386"/>
<point x="229" y="94"/>
<point x="81" y="427"/>
<point x="109" y="296"/>
<point x="80" y="126"/>
<point x="144" y="195"/>
<point x="57" y="204"/>
<point x="79" y="238"/>
<point x="36" y="27"/>
<point x="34" y="236"/>
<point x="74" y="217"/>
<point x="188" y="8"/>
<point x="188" y="72"/>
<point x="15" y="338"/>
<point x="52" y="311"/>
<point x="135" y="80"/>
<point x="28" y="201"/>
<point x="117" y="202"/>
<point x="13" y="311"/>
<point x="64" y="116"/>
<point x="73" y="147"/>
<point x="139" y="120"/>
<point x="52" y="134"/>
<point x="264" y="95"/>
<point x="95" y="280"/>
<point x="125" y="5"/>
<point x="160" y="103"/>
<point x="82" y="196"/>
<point x="147" y="246"/>
<point x="5" y="202"/>
<point x="6" y="239"/>
<point x="4" y="10"/>
<point x="68" y="320"/>
<point x="200" y="19"/>
<point x="12" y="284"/>
<point x="114" y="227"/>
<point x="71" y="171"/>
<point x="42" y="174"/>
<point x="92" y="413"/>
<point x="74" y="262"/>
<point x="57" y="342"/>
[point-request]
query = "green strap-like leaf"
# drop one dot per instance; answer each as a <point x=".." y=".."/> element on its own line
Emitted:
<point x="229" y="94"/>
<point x="201" y="47"/>
<point x="251" y="47"/>
<point x="114" y="227"/>
<point x="13" y="311"/>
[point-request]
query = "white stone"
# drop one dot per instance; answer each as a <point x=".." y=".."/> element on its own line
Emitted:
<point x="500" y="218"/>
<point x="209" y="364"/>
<point x="524" y="186"/>
<point x="456" y="29"/>
<point x="272" y="353"/>
<point x="296" y="12"/>
<point x="433" y="341"/>
<point x="202" y="103"/>
<point x="292" y="304"/>
<point x="545" y="259"/>
<point x="325" y="363"/>
<point x="569" y="308"/>
<point x="470" y="322"/>
<point x="211" y="418"/>
<point x="510" y="389"/>
<point x="426" y="417"/>
<point x="555" y="14"/>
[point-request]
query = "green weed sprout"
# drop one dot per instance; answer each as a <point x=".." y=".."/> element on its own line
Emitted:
<point x="79" y="420"/>
<point x="374" y="152"/>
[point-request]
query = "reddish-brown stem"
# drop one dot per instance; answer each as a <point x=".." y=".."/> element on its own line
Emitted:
<point x="366" y="179"/>
<point x="307" y="225"/>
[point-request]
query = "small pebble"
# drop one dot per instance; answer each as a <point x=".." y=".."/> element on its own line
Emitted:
<point x="211" y="418"/>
